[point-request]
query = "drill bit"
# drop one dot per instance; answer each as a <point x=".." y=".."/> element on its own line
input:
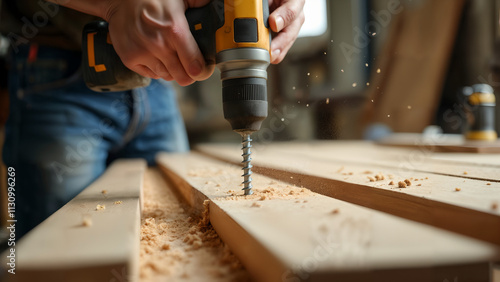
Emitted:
<point x="247" y="166"/>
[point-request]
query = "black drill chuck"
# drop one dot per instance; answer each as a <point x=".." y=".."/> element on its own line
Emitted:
<point x="244" y="102"/>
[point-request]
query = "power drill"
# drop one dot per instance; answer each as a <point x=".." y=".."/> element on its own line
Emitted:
<point x="481" y="101"/>
<point x="234" y="34"/>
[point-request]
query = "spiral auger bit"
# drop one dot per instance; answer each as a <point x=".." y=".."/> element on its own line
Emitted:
<point x="247" y="166"/>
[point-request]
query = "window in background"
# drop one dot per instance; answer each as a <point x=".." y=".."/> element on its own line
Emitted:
<point x="316" y="22"/>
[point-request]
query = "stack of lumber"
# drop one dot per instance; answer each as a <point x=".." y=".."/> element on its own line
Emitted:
<point x="342" y="219"/>
<point x="323" y="211"/>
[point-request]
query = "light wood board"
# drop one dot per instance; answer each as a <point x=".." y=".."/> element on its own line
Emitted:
<point x="443" y="143"/>
<point x="436" y="202"/>
<point x="297" y="235"/>
<point x="421" y="158"/>
<point x="61" y="248"/>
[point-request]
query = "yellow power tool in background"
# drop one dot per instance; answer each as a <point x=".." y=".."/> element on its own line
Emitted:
<point x="234" y="34"/>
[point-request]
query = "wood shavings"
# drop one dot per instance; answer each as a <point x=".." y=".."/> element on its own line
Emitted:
<point x="377" y="177"/>
<point x="256" y="205"/>
<point x="340" y="169"/>
<point x="419" y="184"/>
<point x="87" y="221"/>
<point x="402" y="184"/>
<point x="408" y="182"/>
<point x="335" y="211"/>
<point x="457" y="189"/>
<point x="104" y="192"/>
<point x="176" y="245"/>
<point x="194" y="240"/>
<point x="367" y="172"/>
<point x="465" y="173"/>
<point x="118" y="202"/>
<point x="494" y="206"/>
<point x="100" y="207"/>
<point x="205" y="215"/>
<point x="279" y="191"/>
<point x="391" y="183"/>
<point x="488" y="183"/>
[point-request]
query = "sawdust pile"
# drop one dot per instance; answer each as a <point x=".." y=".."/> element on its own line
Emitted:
<point x="277" y="191"/>
<point x="176" y="246"/>
<point x="269" y="190"/>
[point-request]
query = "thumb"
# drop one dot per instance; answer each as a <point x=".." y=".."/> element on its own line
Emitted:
<point x="285" y="14"/>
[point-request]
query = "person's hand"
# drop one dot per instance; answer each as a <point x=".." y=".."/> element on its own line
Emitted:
<point x="152" y="38"/>
<point x="286" y="18"/>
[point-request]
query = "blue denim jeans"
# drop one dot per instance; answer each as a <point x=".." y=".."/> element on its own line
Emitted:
<point x="60" y="135"/>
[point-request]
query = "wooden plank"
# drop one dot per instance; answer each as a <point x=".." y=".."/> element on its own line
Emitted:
<point x="469" y="159"/>
<point x="421" y="158"/>
<point x="444" y="143"/>
<point x="287" y="233"/>
<point x="472" y="211"/>
<point x="62" y="248"/>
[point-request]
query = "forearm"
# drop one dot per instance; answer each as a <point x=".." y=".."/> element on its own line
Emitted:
<point x="99" y="8"/>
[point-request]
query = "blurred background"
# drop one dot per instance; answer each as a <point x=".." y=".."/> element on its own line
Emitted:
<point x="396" y="64"/>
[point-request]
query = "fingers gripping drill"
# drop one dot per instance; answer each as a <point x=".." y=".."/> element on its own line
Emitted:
<point x="234" y="34"/>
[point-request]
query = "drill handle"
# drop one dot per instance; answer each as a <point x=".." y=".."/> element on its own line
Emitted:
<point x="203" y="23"/>
<point x="103" y="70"/>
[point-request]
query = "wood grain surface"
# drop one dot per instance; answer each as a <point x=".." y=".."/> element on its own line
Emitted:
<point x="62" y="248"/>
<point x="285" y="233"/>
<point x="448" y="198"/>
